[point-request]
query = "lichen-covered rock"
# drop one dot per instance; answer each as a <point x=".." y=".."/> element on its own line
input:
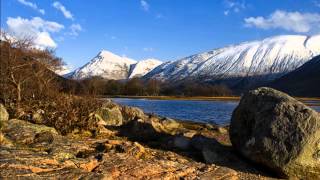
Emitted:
<point x="111" y="115"/>
<point x="25" y="132"/>
<point x="132" y="113"/>
<point x="273" y="129"/>
<point x="168" y="126"/>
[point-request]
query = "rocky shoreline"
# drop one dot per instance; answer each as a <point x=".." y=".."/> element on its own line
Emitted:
<point x="126" y="144"/>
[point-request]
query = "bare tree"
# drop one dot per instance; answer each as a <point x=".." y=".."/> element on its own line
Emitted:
<point x="14" y="65"/>
<point x="23" y="66"/>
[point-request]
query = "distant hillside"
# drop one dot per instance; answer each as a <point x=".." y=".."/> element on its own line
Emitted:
<point x="305" y="81"/>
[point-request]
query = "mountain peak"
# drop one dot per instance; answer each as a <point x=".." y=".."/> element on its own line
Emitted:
<point x="106" y="52"/>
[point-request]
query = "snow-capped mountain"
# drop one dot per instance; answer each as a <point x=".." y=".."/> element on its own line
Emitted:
<point x="143" y="67"/>
<point x="266" y="60"/>
<point x="112" y="66"/>
<point x="106" y="65"/>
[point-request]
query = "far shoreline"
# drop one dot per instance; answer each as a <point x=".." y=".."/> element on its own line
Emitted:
<point x="201" y="98"/>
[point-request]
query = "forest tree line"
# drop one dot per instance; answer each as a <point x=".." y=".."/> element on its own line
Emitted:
<point x="151" y="87"/>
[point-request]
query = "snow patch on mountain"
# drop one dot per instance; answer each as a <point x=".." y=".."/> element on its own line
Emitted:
<point x="143" y="67"/>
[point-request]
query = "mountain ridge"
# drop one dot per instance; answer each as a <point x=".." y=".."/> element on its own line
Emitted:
<point x="263" y="60"/>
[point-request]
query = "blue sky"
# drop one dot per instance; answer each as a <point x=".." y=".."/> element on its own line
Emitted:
<point x="162" y="29"/>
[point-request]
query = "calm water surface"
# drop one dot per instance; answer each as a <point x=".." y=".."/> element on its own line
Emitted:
<point x="218" y="112"/>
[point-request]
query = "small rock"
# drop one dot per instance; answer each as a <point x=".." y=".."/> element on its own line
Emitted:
<point x="222" y="130"/>
<point x="168" y="126"/>
<point x="190" y="134"/>
<point x="37" y="117"/>
<point x="137" y="150"/>
<point x="63" y="156"/>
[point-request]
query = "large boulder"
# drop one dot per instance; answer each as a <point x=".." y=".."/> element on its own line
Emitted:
<point x="273" y="129"/>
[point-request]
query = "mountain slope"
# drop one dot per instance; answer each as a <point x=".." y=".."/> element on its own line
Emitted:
<point x="106" y="65"/>
<point x="246" y="63"/>
<point x="305" y="81"/>
<point x="143" y="67"/>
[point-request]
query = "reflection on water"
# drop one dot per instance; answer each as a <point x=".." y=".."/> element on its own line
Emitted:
<point x="218" y="112"/>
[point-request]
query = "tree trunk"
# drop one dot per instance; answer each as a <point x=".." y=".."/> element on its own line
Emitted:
<point x="18" y="93"/>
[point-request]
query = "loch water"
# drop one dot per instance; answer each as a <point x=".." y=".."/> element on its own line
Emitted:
<point x="216" y="112"/>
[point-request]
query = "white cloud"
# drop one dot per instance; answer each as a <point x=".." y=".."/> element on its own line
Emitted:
<point x="44" y="40"/>
<point x="75" y="29"/>
<point x="36" y="28"/>
<point x="290" y="21"/>
<point x="234" y="6"/>
<point x="67" y="14"/>
<point x="148" y="49"/>
<point x="32" y="5"/>
<point x="144" y="4"/>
